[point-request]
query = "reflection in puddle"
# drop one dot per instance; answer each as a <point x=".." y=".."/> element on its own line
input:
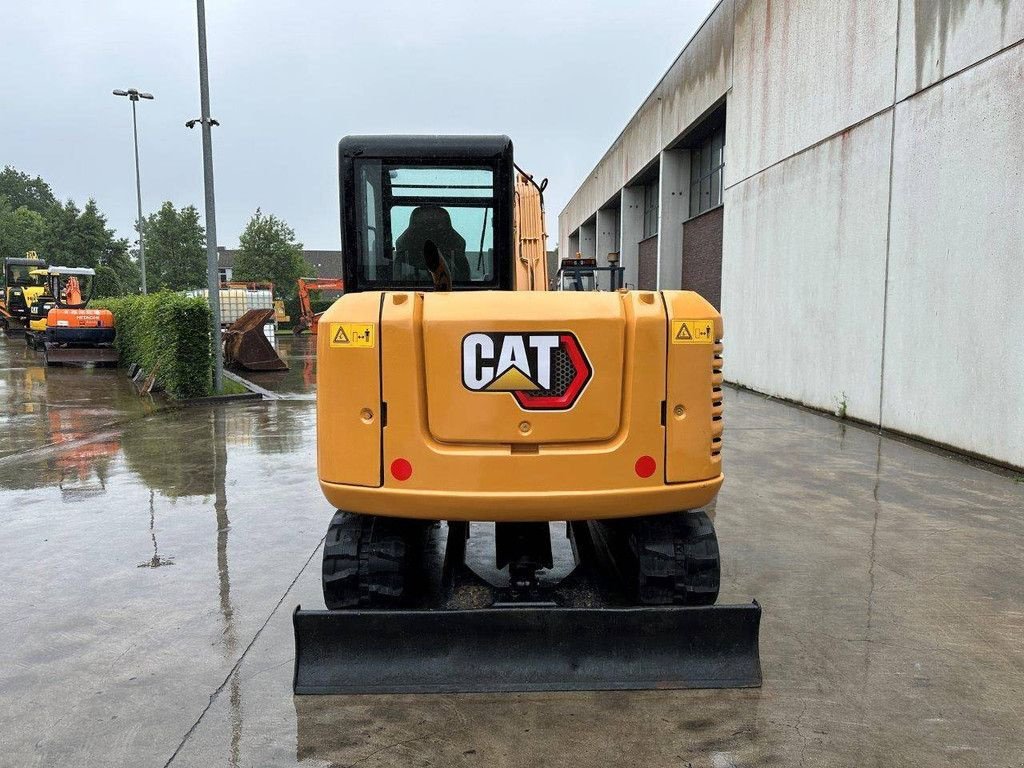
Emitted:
<point x="157" y="560"/>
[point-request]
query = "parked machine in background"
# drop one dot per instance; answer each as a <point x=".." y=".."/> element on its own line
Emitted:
<point x="582" y="274"/>
<point x="308" y="319"/>
<point x="23" y="284"/>
<point x="453" y="387"/>
<point x="62" y="325"/>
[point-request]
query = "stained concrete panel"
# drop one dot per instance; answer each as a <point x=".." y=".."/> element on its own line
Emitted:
<point x="954" y="371"/>
<point x="588" y="239"/>
<point x="631" y="228"/>
<point x="673" y="209"/>
<point x="803" y="273"/>
<point x="941" y="37"/>
<point x="607" y="233"/>
<point x="804" y="71"/>
<point x="701" y="74"/>
<point x="607" y="241"/>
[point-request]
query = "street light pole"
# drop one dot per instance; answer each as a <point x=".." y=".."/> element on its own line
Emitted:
<point x="134" y="95"/>
<point x="212" y="273"/>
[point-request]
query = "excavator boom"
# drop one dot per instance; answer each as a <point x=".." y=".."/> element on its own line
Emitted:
<point x="308" y="319"/>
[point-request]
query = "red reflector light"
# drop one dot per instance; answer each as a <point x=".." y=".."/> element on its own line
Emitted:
<point x="401" y="469"/>
<point x="645" y="466"/>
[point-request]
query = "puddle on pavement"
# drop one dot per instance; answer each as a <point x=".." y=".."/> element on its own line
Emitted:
<point x="299" y="381"/>
<point x="42" y="405"/>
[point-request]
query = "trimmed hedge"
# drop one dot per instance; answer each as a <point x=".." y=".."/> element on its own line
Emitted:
<point x="167" y="333"/>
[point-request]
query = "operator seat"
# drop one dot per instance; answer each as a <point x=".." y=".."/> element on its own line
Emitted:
<point x="430" y="222"/>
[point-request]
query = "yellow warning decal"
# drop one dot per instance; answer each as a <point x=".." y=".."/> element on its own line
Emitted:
<point x="693" y="332"/>
<point x="352" y="335"/>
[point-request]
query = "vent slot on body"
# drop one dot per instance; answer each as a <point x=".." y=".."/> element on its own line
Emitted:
<point x="716" y="399"/>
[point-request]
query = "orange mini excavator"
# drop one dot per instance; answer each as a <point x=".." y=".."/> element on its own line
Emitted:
<point x="69" y="332"/>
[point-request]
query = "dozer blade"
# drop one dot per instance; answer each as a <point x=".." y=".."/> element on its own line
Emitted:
<point x="80" y="355"/>
<point x="526" y="648"/>
<point x="245" y="344"/>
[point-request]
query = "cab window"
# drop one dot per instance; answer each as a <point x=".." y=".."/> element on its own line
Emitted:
<point x="399" y="207"/>
<point x="20" y="274"/>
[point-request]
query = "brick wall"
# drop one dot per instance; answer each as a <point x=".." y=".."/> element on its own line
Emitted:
<point x="647" y="273"/>
<point x="702" y="255"/>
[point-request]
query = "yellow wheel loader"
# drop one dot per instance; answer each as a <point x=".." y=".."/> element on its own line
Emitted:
<point x="454" y="390"/>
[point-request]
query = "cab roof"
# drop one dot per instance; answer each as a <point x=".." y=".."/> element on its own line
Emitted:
<point x="25" y="262"/>
<point x="426" y="147"/>
<point x="64" y="271"/>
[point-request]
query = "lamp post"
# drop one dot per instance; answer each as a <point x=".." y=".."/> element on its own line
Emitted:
<point x="134" y="95"/>
<point x="212" y="273"/>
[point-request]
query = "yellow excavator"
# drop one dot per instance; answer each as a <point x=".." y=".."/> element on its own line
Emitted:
<point x="24" y="283"/>
<point x="454" y="392"/>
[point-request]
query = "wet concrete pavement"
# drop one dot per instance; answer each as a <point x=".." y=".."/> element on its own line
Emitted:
<point x="299" y="381"/>
<point x="145" y="614"/>
<point x="44" y="406"/>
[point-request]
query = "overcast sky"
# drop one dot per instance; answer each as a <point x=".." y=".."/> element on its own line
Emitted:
<point x="288" y="79"/>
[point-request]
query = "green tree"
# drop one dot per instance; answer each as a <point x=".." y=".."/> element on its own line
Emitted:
<point x="79" y="238"/>
<point x="107" y="283"/>
<point x="126" y="267"/>
<point x="21" y="230"/>
<point x="20" y="189"/>
<point x="268" y="250"/>
<point x="62" y="234"/>
<point x="175" y="249"/>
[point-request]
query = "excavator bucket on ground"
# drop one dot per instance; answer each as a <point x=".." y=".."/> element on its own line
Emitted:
<point x="526" y="649"/>
<point x="246" y="346"/>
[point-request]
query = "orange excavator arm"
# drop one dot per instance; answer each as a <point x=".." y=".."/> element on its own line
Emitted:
<point x="307" y="318"/>
<point x="72" y="292"/>
<point x="531" y="238"/>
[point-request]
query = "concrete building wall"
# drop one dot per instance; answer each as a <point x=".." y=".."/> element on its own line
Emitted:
<point x="939" y="38"/>
<point x="631" y="227"/>
<point x="873" y="233"/>
<point x="804" y="254"/>
<point x="954" y="353"/>
<point x="803" y="71"/>
<point x="673" y="210"/>
<point x="607" y="241"/>
<point x="588" y="239"/>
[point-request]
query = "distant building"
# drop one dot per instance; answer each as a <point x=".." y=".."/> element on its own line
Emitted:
<point x="846" y="181"/>
<point x="324" y="263"/>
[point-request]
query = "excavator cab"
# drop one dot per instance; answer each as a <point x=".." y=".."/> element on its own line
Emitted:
<point x="397" y="193"/>
<point x="24" y="282"/>
<point x="465" y="414"/>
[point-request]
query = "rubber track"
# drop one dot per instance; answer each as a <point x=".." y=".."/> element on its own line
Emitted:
<point x="367" y="560"/>
<point x="677" y="559"/>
